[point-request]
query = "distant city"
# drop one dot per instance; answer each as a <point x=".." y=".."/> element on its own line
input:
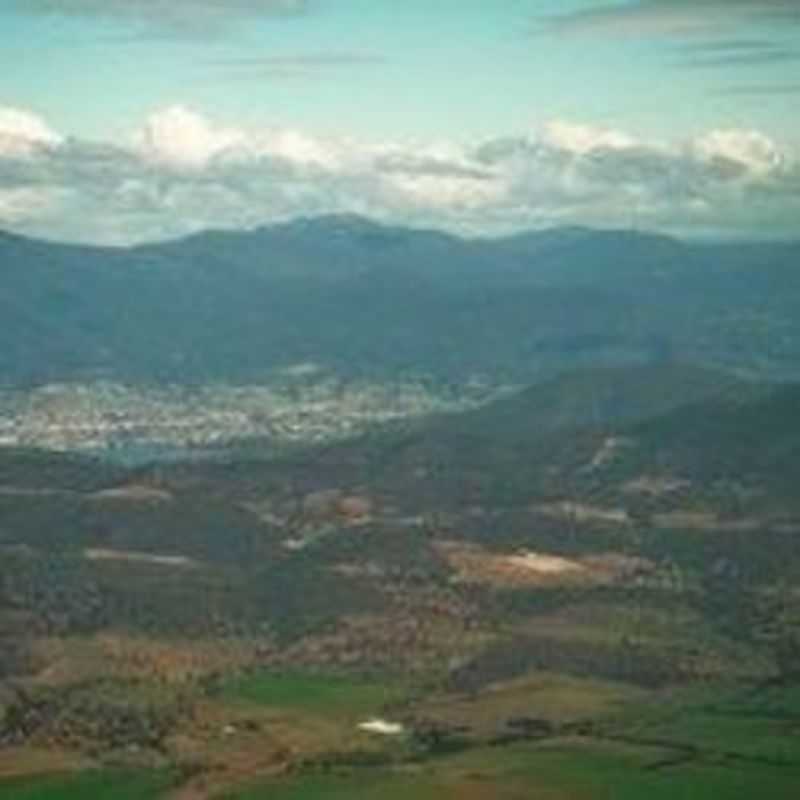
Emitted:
<point x="301" y="405"/>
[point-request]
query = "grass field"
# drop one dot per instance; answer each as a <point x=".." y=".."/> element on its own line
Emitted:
<point x="727" y="744"/>
<point x="321" y="695"/>
<point x="687" y="744"/>
<point x="546" y="696"/>
<point x="90" y="785"/>
<point x="754" y="725"/>
<point x="572" y="771"/>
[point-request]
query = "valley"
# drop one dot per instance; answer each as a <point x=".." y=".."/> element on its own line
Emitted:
<point x="554" y="594"/>
<point x="301" y="405"/>
<point x="399" y="401"/>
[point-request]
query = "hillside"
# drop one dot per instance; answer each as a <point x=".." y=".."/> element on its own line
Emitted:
<point x="365" y="298"/>
<point x="586" y="432"/>
<point x="542" y="576"/>
<point x="595" y="397"/>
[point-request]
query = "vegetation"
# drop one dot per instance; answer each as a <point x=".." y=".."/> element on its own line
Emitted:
<point x="319" y="694"/>
<point x="229" y="307"/>
<point x="93" y="785"/>
<point x="601" y="606"/>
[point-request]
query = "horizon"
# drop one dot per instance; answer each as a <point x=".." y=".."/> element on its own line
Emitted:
<point x="126" y="122"/>
<point x="789" y="238"/>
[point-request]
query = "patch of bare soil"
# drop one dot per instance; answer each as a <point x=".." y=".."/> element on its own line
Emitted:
<point x="708" y="521"/>
<point x="473" y="564"/>
<point x="581" y="512"/>
<point x="607" y="452"/>
<point x="655" y="485"/>
<point x="335" y="504"/>
<point x="105" y="554"/>
<point x="135" y="493"/>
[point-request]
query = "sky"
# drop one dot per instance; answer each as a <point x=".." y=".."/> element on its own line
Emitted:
<point x="124" y="121"/>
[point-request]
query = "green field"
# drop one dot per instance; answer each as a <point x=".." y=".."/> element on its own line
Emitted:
<point x="570" y="772"/>
<point x="688" y="744"/>
<point x="91" y="785"/>
<point x="323" y="695"/>
<point x="754" y="726"/>
<point x="727" y="744"/>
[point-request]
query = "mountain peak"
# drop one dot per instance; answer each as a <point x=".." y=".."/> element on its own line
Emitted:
<point x="340" y="224"/>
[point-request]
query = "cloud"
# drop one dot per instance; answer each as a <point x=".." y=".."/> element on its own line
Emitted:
<point x="187" y="18"/>
<point x="756" y="58"/>
<point x="23" y="133"/>
<point x="672" y="18"/>
<point x="749" y="152"/>
<point x="759" y="89"/>
<point x="582" y="139"/>
<point x="182" y="172"/>
<point x="733" y="52"/>
<point x="311" y="65"/>
<point x="706" y="46"/>
<point x="19" y="205"/>
<point x="177" y="137"/>
<point x="430" y="165"/>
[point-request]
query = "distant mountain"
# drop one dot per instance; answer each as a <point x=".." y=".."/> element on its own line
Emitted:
<point x="364" y="297"/>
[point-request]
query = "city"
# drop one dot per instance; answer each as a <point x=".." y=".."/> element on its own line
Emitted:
<point x="301" y="405"/>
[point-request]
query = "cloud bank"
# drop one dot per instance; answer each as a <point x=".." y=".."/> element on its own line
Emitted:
<point x="182" y="172"/>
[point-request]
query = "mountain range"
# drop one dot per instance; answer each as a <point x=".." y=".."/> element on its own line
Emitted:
<point x="366" y="298"/>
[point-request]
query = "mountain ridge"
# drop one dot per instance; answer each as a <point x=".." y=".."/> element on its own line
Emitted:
<point x="361" y="296"/>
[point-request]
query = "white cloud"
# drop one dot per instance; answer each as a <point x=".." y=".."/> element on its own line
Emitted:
<point x="447" y="193"/>
<point x="19" y="205"/>
<point x="183" y="172"/>
<point x="22" y="133"/>
<point x="177" y="137"/>
<point x="297" y="148"/>
<point x="582" y="139"/>
<point x="750" y="151"/>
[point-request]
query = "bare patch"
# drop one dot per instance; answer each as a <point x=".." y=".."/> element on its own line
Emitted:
<point x="103" y="554"/>
<point x="135" y="493"/>
<point x="544" y="564"/>
<point x="655" y="486"/>
<point x="607" y="451"/>
<point x="708" y="521"/>
<point x="368" y="570"/>
<point x="580" y="512"/>
<point x="476" y="565"/>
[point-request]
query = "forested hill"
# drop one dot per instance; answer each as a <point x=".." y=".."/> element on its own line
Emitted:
<point x="363" y="297"/>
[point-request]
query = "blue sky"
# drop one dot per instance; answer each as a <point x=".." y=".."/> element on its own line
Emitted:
<point x="704" y="81"/>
